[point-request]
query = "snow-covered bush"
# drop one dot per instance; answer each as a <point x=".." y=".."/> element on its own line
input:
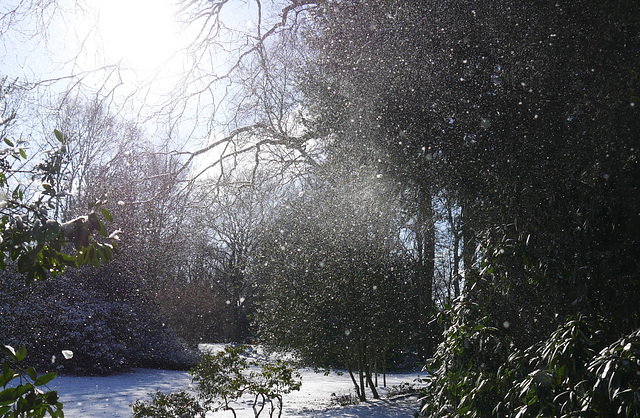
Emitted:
<point x="223" y="378"/>
<point x="105" y="336"/>
<point x="346" y="399"/>
<point x="177" y="404"/>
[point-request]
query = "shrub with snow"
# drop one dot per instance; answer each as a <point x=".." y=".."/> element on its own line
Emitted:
<point x="105" y="336"/>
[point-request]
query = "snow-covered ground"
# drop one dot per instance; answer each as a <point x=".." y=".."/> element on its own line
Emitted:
<point x="111" y="396"/>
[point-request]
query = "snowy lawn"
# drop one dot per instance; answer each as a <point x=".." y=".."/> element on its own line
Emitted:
<point x="110" y="396"/>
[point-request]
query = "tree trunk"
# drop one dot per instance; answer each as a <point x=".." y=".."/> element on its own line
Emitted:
<point x="384" y="369"/>
<point x="457" y="236"/>
<point x="355" y="383"/>
<point x="365" y="373"/>
<point x="468" y="245"/>
<point x="374" y="391"/>
<point x="425" y="266"/>
<point x="375" y="373"/>
<point x="456" y="266"/>
<point x="235" y="323"/>
<point x="362" y="395"/>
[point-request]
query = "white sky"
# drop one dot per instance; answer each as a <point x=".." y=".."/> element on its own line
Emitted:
<point x="140" y="35"/>
<point x="83" y="45"/>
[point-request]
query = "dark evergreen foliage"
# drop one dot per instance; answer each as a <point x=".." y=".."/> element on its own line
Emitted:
<point x="527" y="114"/>
<point x="105" y="335"/>
<point x="338" y="287"/>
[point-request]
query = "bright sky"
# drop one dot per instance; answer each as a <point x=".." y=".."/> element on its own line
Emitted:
<point x="84" y="40"/>
<point x="141" y="33"/>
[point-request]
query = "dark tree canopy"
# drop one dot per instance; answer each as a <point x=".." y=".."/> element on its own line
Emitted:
<point x="525" y="111"/>
<point x="527" y="115"/>
<point x="337" y="288"/>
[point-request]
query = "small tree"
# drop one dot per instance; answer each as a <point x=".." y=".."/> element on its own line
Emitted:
<point x="222" y="378"/>
<point x="219" y="378"/>
<point x="270" y="383"/>
<point x="177" y="404"/>
<point x="337" y="288"/>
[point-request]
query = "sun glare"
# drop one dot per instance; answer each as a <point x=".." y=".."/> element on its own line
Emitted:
<point x="141" y="33"/>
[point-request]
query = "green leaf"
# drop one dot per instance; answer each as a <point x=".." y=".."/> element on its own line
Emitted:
<point x="106" y="214"/>
<point x="6" y="141"/>
<point x="51" y="397"/>
<point x="8" y="396"/>
<point x="25" y="262"/>
<point x="38" y="233"/>
<point x="22" y="389"/>
<point x="44" y="379"/>
<point x="23" y="154"/>
<point x="94" y="221"/>
<point x="106" y="254"/>
<point x="5" y="379"/>
<point x="95" y="259"/>
<point x="31" y="372"/>
<point x="8" y="374"/>
<point x="58" y="135"/>
<point x="7" y="349"/>
<point x="53" y="230"/>
<point x="102" y="230"/>
<point x="21" y="353"/>
<point x="67" y="260"/>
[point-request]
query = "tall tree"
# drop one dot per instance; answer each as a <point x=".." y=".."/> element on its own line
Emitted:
<point x="337" y="283"/>
<point x="91" y="130"/>
<point x="509" y="119"/>
<point x="365" y="86"/>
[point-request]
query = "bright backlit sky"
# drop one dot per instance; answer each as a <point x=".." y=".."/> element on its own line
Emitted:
<point x="131" y="51"/>
<point x="142" y="36"/>
<point x="141" y="33"/>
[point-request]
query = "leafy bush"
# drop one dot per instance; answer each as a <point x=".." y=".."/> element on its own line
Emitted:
<point x="574" y="372"/>
<point x="616" y="371"/>
<point x="179" y="404"/>
<point x="556" y="370"/>
<point x="222" y="378"/>
<point x="462" y="378"/>
<point x="569" y="377"/>
<point x="219" y="378"/>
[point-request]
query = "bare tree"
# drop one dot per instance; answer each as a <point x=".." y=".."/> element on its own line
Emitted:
<point x="239" y="88"/>
<point x="231" y="222"/>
